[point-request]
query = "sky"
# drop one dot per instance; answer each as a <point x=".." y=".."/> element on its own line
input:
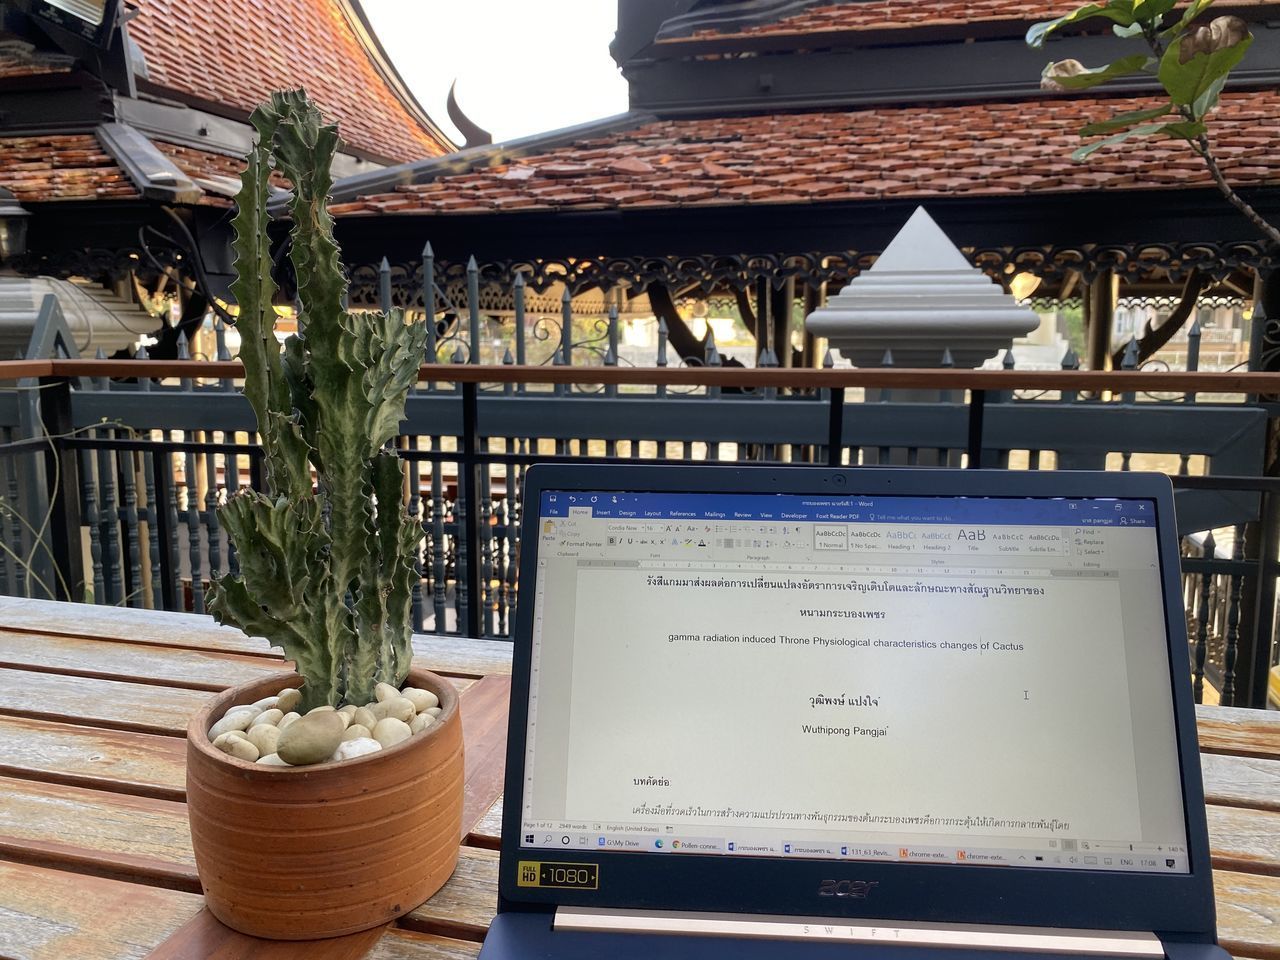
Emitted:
<point x="522" y="66"/>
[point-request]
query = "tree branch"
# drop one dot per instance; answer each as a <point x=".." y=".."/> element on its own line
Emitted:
<point x="1201" y="146"/>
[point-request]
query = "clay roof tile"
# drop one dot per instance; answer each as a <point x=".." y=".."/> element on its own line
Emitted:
<point x="965" y="149"/>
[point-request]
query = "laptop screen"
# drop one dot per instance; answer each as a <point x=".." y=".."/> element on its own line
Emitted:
<point x="958" y="680"/>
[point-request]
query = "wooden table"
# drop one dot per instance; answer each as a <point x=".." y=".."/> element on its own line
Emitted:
<point x="95" y="855"/>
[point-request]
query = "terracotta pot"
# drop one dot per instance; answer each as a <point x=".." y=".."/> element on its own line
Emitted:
<point x="303" y="853"/>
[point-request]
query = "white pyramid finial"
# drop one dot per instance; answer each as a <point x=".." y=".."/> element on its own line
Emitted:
<point x="922" y="295"/>
<point x="921" y="245"/>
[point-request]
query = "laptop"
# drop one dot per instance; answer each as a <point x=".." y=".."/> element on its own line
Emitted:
<point x="764" y="712"/>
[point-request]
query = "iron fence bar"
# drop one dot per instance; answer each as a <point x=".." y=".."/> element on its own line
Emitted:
<point x="161" y="496"/>
<point x="168" y="446"/>
<point x="64" y="490"/>
<point x="16" y="448"/>
<point x="835" y="427"/>
<point x="977" y="406"/>
<point x="468" y="489"/>
<point x="1255" y="672"/>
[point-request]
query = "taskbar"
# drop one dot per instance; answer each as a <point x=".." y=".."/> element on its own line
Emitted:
<point x="1077" y="855"/>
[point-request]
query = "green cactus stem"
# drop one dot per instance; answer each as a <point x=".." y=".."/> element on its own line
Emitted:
<point x="327" y="552"/>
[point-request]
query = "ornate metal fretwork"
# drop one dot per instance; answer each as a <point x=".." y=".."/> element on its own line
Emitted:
<point x="710" y="274"/>
<point x="101" y="264"/>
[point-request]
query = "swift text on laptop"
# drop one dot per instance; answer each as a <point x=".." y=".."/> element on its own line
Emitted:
<point x="831" y="692"/>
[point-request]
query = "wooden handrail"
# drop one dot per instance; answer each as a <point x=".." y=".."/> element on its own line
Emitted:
<point x="1118" y="381"/>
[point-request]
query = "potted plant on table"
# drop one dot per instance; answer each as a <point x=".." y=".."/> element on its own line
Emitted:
<point x="329" y="800"/>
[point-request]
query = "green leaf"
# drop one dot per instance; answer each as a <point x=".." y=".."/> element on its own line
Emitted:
<point x="1209" y="99"/>
<point x="1120" y="11"/>
<point x="1132" y="30"/>
<point x="1184" y="129"/>
<point x="1187" y="82"/>
<point x="1188" y="15"/>
<point x="1122" y="120"/>
<point x="1151" y="11"/>
<point x="1096" y="75"/>
<point x="1143" y="131"/>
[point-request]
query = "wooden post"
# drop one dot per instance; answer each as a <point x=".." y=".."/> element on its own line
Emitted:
<point x="1099" y="315"/>
<point x="813" y="299"/>
<point x="783" y="306"/>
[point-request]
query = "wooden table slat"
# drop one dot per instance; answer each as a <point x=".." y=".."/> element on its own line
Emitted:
<point x="484" y="730"/>
<point x="399" y="944"/>
<point x="114" y="704"/>
<point x="138" y="763"/>
<point x="465" y="906"/>
<point x="488" y="830"/>
<point x="1248" y="914"/>
<point x="55" y="915"/>
<point x="104" y="834"/>
<point x="464" y="656"/>
<point x="1244" y="840"/>
<point x="138" y="663"/>
<point x="160" y="627"/>
<point x="91" y="775"/>
<point x="1243" y="733"/>
<point x="205" y="937"/>
<point x="1241" y="781"/>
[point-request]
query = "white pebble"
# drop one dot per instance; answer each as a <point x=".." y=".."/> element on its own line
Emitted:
<point x="321" y="709"/>
<point x="357" y="731"/>
<point x="237" y="718"/>
<point x="289" y="698"/>
<point x="349" y="710"/>
<point x="273" y="760"/>
<point x="421" y="722"/>
<point x="264" y="736"/>
<point x="349" y="749"/>
<point x="421" y="699"/>
<point x="272" y="716"/>
<point x="364" y="716"/>
<point x="268" y="703"/>
<point x="390" y="731"/>
<point x="385" y="691"/>
<point x="287" y="719"/>
<point x="435" y="711"/>
<point x="397" y="707"/>
<point x="236" y="745"/>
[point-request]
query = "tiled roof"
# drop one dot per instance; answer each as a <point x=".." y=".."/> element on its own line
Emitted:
<point x="216" y="173"/>
<point x="906" y="14"/>
<point x="236" y="52"/>
<point x="72" y="167"/>
<point x="1020" y="147"/>
<point x="18" y="58"/>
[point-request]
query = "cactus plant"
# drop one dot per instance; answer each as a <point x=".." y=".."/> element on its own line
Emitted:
<point x="326" y="564"/>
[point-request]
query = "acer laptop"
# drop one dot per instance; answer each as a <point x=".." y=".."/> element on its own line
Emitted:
<point x="765" y="712"/>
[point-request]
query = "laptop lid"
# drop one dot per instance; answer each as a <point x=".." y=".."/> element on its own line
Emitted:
<point x="941" y="696"/>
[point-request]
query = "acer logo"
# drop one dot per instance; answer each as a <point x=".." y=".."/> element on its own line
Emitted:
<point x="855" y="889"/>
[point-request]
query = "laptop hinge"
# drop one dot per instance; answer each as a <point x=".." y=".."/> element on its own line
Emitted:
<point x="1113" y="943"/>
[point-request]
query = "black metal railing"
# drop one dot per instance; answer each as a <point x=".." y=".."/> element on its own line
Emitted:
<point x="116" y="501"/>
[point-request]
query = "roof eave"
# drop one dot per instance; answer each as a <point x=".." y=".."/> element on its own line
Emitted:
<point x="364" y="32"/>
<point x="154" y="174"/>
<point x="472" y="158"/>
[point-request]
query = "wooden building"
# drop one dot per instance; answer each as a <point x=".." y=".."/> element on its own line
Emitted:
<point x="772" y="147"/>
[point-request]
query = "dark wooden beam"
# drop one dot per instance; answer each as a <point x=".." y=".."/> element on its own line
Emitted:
<point x="679" y="335"/>
<point x="1099" y="313"/>
<point x="891" y="377"/>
